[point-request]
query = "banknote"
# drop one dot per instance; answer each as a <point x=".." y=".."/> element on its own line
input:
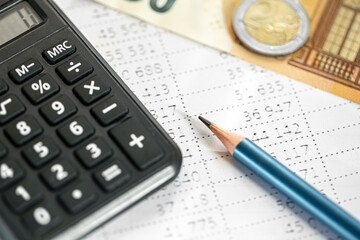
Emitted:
<point x="329" y="60"/>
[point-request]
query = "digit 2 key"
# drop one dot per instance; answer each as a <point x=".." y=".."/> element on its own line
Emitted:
<point x="76" y="146"/>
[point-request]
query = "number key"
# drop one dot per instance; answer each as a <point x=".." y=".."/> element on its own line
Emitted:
<point x="23" y="196"/>
<point x="58" y="174"/>
<point x="41" y="219"/>
<point x="23" y="130"/>
<point x="76" y="131"/>
<point x="41" y="152"/>
<point x="93" y="153"/>
<point x="10" y="172"/>
<point x="58" y="110"/>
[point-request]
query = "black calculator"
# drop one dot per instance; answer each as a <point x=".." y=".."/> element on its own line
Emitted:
<point x="76" y="146"/>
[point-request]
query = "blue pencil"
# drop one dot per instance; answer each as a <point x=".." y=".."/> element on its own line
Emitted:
<point x="287" y="182"/>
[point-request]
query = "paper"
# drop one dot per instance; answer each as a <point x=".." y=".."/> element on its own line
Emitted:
<point x="314" y="133"/>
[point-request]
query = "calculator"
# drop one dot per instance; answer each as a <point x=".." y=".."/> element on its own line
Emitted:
<point x="76" y="146"/>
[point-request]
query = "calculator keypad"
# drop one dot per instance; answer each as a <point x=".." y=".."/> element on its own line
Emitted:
<point x="72" y="139"/>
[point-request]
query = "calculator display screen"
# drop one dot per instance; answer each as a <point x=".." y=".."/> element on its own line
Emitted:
<point x="17" y="20"/>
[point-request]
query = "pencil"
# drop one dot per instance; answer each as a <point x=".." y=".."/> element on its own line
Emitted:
<point x="287" y="182"/>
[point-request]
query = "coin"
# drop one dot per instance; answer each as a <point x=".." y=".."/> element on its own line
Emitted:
<point x="271" y="27"/>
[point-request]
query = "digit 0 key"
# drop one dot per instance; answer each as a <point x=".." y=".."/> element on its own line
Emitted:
<point x="76" y="142"/>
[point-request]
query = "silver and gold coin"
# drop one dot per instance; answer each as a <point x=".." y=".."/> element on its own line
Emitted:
<point x="272" y="27"/>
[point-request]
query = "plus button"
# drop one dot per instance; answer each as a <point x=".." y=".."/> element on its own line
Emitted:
<point x="136" y="141"/>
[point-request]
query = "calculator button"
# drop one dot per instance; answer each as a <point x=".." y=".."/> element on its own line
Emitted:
<point x="10" y="107"/>
<point x="41" y="152"/>
<point x="10" y="172"/>
<point x="93" y="153"/>
<point x="76" y="131"/>
<point x="58" y="110"/>
<point x="3" y="150"/>
<point x="23" y="196"/>
<point x="91" y="90"/>
<point x="41" y="219"/>
<point x="59" y="51"/>
<point x="41" y="89"/>
<point x="26" y="70"/>
<point x="78" y="198"/>
<point x="112" y="177"/>
<point x="137" y="142"/>
<point x="109" y="111"/>
<point x="74" y="69"/>
<point x="23" y="130"/>
<point x="3" y="87"/>
<point x="58" y="174"/>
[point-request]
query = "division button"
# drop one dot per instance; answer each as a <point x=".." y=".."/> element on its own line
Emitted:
<point x="41" y="89"/>
<point x="57" y="110"/>
<point x="78" y="198"/>
<point x="109" y="111"/>
<point x="10" y="172"/>
<point x="94" y="152"/>
<point x="41" y="219"/>
<point x="23" y="130"/>
<point x="112" y="176"/>
<point x="3" y="87"/>
<point x="26" y="70"/>
<point x="23" y="196"/>
<point x="137" y="142"/>
<point x="74" y="69"/>
<point x="10" y="107"/>
<point x="59" y="51"/>
<point x="41" y="152"/>
<point x="91" y="90"/>
<point x="58" y="174"/>
<point x="76" y="131"/>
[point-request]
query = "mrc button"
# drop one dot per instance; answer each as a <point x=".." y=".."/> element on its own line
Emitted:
<point x="59" y="51"/>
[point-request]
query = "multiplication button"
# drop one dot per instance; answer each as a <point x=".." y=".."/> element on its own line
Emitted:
<point x="74" y="69"/>
<point x="109" y="111"/>
<point x="58" y="110"/>
<point x="91" y="90"/>
<point x="137" y="142"/>
<point x="41" y="89"/>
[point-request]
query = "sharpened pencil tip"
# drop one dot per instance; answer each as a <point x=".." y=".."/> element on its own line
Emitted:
<point x="205" y="121"/>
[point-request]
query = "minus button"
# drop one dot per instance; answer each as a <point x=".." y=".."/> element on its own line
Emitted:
<point x="109" y="111"/>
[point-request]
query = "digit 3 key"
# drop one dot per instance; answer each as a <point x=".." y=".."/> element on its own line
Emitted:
<point x="76" y="146"/>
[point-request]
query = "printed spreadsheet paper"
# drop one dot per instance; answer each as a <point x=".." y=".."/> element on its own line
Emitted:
<point x="314" y="133"/>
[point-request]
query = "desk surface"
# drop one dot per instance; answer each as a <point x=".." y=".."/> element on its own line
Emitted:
<point x="314" y="133"/>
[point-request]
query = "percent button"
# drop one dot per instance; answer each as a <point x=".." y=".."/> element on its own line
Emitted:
<point x="41" y="88"/>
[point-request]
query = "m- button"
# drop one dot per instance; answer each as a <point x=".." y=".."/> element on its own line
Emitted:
<point x="59" y="51"/>
<point x="137" y="142"/>
<point x="26" y="70"/>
